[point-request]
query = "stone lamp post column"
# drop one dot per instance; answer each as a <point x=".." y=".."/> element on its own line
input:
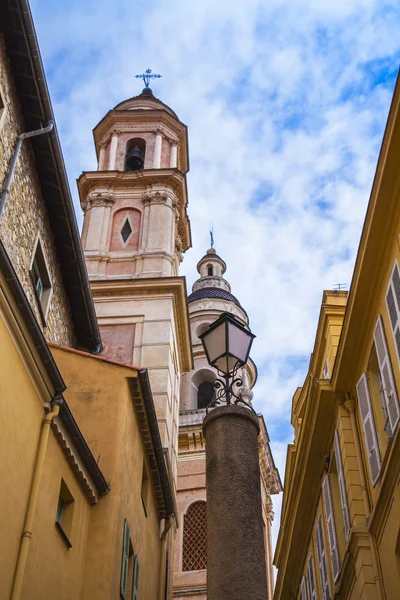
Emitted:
<point x="236" y="567"/>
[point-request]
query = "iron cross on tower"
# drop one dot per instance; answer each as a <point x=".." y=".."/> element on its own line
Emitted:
<point x="147" y="76"/>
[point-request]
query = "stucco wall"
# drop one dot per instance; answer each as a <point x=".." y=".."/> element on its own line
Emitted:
<point x="21" y="415"/>
<point x="25" y="215"/>
<point x="98" y="394"/>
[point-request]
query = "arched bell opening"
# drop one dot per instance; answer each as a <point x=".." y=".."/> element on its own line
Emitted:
<point x="135" y="153"/>
<point x="203" y="383"/>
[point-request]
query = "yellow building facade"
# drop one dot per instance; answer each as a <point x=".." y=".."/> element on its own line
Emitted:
<point x="340" y="526"/>
<point x="87" y="500"/>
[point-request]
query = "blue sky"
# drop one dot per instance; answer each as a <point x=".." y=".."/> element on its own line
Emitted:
<point x="286" y="103"/>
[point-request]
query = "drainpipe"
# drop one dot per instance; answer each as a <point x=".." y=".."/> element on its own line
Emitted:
<point x="163" y="552"/>
<point x="10" y="174"/>
<point x="33" y="499"/>
<point x="349" y="405"/>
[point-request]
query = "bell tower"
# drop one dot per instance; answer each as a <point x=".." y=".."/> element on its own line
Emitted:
<point x="135" y="221"/>
<point x="134" y="234"/>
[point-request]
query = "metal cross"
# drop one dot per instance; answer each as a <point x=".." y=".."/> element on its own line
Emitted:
<point x="147" y="76"/>
<point x="212" y="236"/>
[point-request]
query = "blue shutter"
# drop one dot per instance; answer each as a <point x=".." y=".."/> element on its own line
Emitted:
<point x="125" y="560"/>
<point x="135" y="586"/>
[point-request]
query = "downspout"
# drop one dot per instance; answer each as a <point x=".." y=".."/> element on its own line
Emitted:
<point x="10" y="174"/>
<point x="161" y="587"/>
<point x="33" y="499"/>
<point x="349" y="405"/>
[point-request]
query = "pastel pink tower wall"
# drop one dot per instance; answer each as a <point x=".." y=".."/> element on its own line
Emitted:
<point x="134" y="234"/>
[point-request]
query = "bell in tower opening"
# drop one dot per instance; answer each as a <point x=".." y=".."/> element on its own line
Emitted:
<point x="134" y="160"/>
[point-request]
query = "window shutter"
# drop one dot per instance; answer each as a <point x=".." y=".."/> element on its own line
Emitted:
<point x="393" y="306"/>
<point x="311" y="579"/>
<point x="367" y="418"/>
<point x="304" y="595"/>
<point x="125" y="559"/>
<point x="323" y="569"/>
<point x="389" y="388"/>
<point x="342" y="487"/>
<point x="330" y="522"/>
<point x="135" y="585"/>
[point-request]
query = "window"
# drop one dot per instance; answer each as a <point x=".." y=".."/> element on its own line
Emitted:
<point x="331" y="527"/>
<point x="129" y="582"/>
<point x="311" y="579"/>
<point x="385" y="380"/>
<point x="64" y="514"/>
<point x="325" y="372"/>
<point x="144" y="492"/>
<point x="304" y="595"/>
<point x="41" y="279"/>
<point x="210" y="270"/>
<point x="135" y="153"/>
<point x="195" y="537"/>
<point x="393" y="306"/>
<point x="205" y="394"/>
<point x="126" y="231"/>
<point x="368" y="424"/>
<point x="337" y="474"/>
<point x="323" y="568"/>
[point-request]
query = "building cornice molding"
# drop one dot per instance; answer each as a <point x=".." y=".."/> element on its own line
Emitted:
<point x="74" y="460"/>
<point x="303" y="491"/>
<point x="379" y="231"/>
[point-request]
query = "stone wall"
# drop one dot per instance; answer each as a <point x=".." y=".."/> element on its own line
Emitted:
<point x="25" y="215"/>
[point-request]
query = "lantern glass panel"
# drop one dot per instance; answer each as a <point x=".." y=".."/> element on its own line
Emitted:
<point x="239" y="342"/>
<point x="215" y="342"/>
<point x="226" y="363"/>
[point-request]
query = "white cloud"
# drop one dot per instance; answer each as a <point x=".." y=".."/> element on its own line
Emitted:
<point x="285" y="103"/>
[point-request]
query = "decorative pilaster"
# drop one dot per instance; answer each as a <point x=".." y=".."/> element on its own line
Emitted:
<point x="113" y="152"/>
<point x="157" y="150"/>
<point x="173" y="163"/>
<point x="102" y="158"/>
<point x="97" y="210"/>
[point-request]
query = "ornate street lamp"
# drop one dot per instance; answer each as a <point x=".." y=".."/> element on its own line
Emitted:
<point x="227" y="346"/>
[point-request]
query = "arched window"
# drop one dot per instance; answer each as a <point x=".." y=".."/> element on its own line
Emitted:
<point x="205" y="394"/>
<point x="135" y="152"/>
<point x="194" y="556"/>
<point x="210" y="270"/>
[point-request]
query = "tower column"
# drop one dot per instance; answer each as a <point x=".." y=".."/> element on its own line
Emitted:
<point x="157" y="151"/>
<point x="235" y="542"/>
<point x="173" y="163"/>
<point x="102" y="157"/>
<point x="113" y="152"/>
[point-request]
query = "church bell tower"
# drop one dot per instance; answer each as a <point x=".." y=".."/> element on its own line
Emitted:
<point x="134" y="234"/>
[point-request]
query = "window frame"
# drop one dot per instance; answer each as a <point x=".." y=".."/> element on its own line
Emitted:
<point x="65" y="513"/>
<point x="39" y="267"/>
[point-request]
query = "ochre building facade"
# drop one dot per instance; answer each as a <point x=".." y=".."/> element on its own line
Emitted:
<point x="340" y="527"/>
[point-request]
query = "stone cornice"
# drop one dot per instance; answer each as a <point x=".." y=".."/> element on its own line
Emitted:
<point x="151" y="287"/>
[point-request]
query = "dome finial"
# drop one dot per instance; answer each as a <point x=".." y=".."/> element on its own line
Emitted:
<point x="212" y="236"/>
<point x="147" y="76"/>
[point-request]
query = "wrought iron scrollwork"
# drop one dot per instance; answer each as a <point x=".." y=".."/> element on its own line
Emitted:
<point x="227" y="390"/>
